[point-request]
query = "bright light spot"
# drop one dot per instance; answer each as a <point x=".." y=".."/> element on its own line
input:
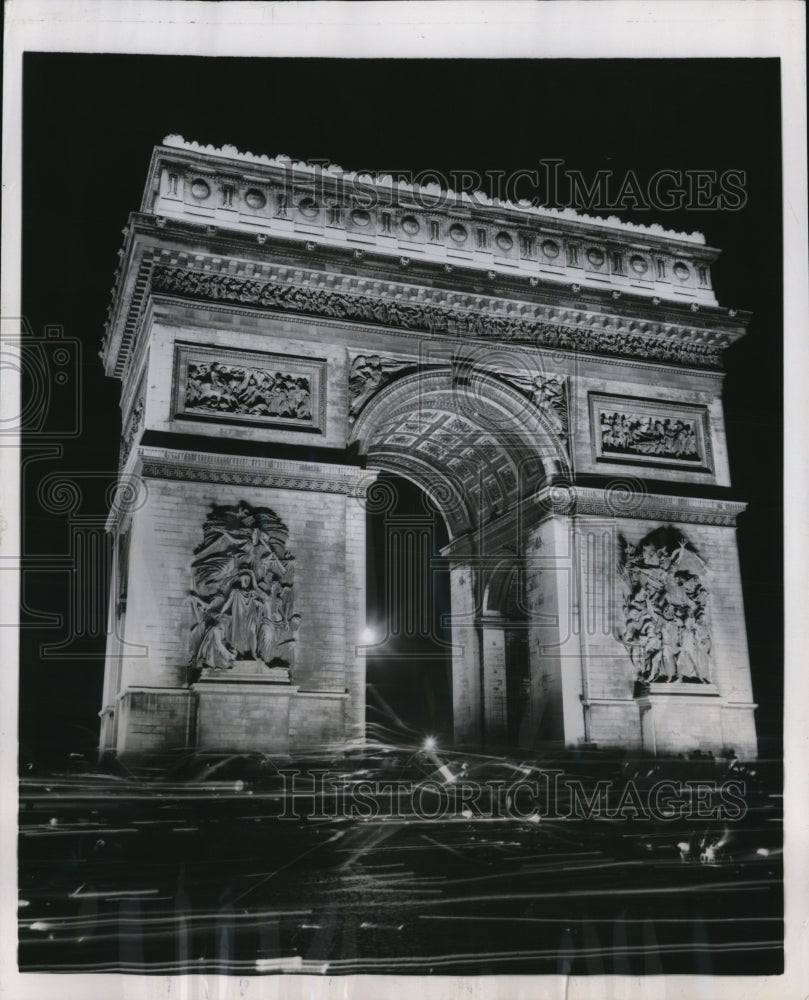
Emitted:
<point x="763" y="852"/>
<point x="238" y="785"/>
<point x="429" y="743"/>
<point x="368" y="635"/>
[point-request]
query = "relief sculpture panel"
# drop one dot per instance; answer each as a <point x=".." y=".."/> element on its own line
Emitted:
<point x="649" y="432"/>
<point x="665" y="609"/>
<point x="254" y="391"/>
<point x="243" y="592"/>
<point x="249" y="388"/>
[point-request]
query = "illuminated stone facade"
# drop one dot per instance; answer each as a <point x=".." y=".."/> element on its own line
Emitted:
<point x="283" y="333"/>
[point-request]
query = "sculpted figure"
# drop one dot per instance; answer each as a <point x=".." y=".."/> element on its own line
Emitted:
<point x="367" y="376"/>
<point x="633" y="434"/>
<point x="246" y="608"/>
<point x="236" y="389"/>
<point x="300" y="399"/>
<point x="693" y="661"/>
<point x="209" y="646"/>
<point x="242" y="600"/>
<point x="548" y="393"/>
<point x="664" y="625"/>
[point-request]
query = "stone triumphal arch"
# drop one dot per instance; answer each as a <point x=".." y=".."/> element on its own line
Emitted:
<point x="552" y="382"/>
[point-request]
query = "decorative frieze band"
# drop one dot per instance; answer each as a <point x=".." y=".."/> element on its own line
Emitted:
<point x="202" y="467"/>
<point x="428" y="318"/>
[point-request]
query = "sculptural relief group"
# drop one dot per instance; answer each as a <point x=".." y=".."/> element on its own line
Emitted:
<point x="242" y="598"/>
<point x="665" y="610"/>
<point x="222" y="388"/>
<point x="631" y="434"/>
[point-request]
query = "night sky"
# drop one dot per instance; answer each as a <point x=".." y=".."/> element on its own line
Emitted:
<point x="91" y="121"/>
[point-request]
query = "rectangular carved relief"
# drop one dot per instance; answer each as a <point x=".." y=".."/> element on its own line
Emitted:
<point x="650" y="432"/>
<point x="248" y="387"/>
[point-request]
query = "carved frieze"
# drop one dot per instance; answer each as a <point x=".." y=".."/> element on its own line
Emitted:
<point x="665" y="624"/>
<point x="433" y="319"/>
<point x="650" y="432"/>
<point x="248" y="387"/>
<point x="249" y="391"/>
<point x="634" y="434"/>
<point x="243" y="591"/>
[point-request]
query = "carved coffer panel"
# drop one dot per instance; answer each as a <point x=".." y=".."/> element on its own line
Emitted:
<point x="249" y="387"/>
<point x="650" y="432"/>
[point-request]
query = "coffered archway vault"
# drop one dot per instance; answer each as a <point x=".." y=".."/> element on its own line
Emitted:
<point x="551" y="381"/>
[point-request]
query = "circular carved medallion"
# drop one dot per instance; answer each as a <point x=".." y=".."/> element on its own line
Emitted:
<point x="200" y="189"/>
<point x="596" y="257"/>
<point x="308" y="207"/>
<point x="682" y="271"/>
<point x="255" y="198"/>
<point x="360" y="217"/>
<point x="504" y="241"/>
<point x="410" y="224"/>
<point x="457" y="233"/>
<point x="550" y="249"/>
<point x="638" y="264"/>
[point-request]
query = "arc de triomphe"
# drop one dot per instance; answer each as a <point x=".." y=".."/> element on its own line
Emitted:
<point x="283" y="332"/>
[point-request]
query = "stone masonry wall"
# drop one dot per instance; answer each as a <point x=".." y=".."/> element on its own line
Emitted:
<point x="166" y="531"/>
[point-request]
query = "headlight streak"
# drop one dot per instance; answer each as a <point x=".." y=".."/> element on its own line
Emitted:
<point x="95" y="900"/>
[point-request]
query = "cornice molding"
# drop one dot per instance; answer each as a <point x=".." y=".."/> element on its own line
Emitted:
<point x="621" y="502"/>
<point x="193" y="237"/>
<point x="238" y="470"/>
<point x="185" y="244"/>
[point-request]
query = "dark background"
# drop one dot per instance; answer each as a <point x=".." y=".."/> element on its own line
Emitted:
<point x="91" y="121"/>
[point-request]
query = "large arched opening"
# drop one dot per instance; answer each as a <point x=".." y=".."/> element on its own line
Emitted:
<point x="408" y="652"/>
<point x="459" y="458"/>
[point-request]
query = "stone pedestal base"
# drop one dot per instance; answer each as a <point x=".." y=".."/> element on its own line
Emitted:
<point x="244" y="710"/>
<point x="154" y="721"/>
<point x="678" y="717"/>
<point x="239" y="713"/>
<point x="247" y="671"/>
